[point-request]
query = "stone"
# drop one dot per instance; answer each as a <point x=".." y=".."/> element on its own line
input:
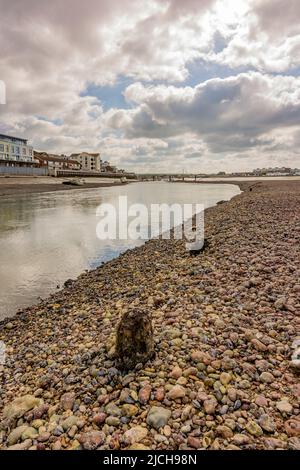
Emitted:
<point x="284" y="407"/>
<point x="210" y="406"/>
<point x="29" y="433"/>
<point x="266" y="423"/>
<point x="16" y="434"/>
<point x="92" y="439"/>
<point x="18" y="407"/>
<point x="254" y="429"/>
<point x="176" y="372"/>
<point x="240" y="439"/>
<point x="201" y="356"/>
<point x="258" y="345"/>
<point x="294" y="443"/>
<point x="158" y="417"/>
<point x="194" y="442"/>
<point x="160" y="394"/>
<point x="22" y="446"/>
<point x="113" y="410"/>
<point x="261" y="401"/>
<point x="224" y="431"/>
<point x="67" y="401"/>
<point x="130" y="410"/>
<point x="112" y="421"/>
<point x="176" y="392"/>
<point x="292" y="427"/>
<point x="135" y="434"/>
<point x="69" y="422"/>
<point x="134" y="340"/>
<point x="99" y="418"/>
<point x="144" y="394"/>
<point x="225" y="378"/>
<point x="138" y="446"/>
<point x="266" y="377"/>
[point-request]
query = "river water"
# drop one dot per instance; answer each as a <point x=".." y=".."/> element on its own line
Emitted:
<point x="48" y="238"/>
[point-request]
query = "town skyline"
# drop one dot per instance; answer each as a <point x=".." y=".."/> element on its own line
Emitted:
<point x="169" y="84"/>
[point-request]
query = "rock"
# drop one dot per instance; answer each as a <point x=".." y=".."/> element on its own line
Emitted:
<point x="29" y="433"/>
<point x="292" y="427"/>
<point x="130" y="410"/>
<point x="23" y="446"/>
<point x="16" y="434"/>
<point x="144" y="394"/>
<point x="92" y="439"/>
<point x="135" y="434"/>
<point x="284" y="407"/>
<point x="280" y="303"/>
<point x="254" y="429"/>
<point x="258" y="345"/>
<point x="112" y="421"/>
<point x="200" y="356"/>
<point x="134" y="341"/>
<point x="194" y="442"/>
<point x="69" y="422"/>
<point x="294" y="443"/>
<point x="18" y="407"/>
<point x="176" y="392"/>
<point x="138" y="446"/>
<point x="261" y="401"/>
<point x="112" y="410"/>
<point x="210" y="406"/>
<point x="160" y="394"/>
<point x="176" y="372"/>
<point x="225" y="378"/>
<point x="224" y="431"/>
<point x="266" y="377"/>
<point x="240" y="439"/>
<point x="67" y="401"/>
<point x="158" y="417"/>
<point x="99" y="418"/>
<point x="266" y="423"/>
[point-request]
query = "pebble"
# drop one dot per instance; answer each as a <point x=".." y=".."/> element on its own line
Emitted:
<point x="176" y="392"/>
<point x="158" y="417"/>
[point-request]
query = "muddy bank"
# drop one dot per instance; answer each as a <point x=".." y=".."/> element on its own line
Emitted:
<point x="224" y="324"/>
<point x="14" y="186"/>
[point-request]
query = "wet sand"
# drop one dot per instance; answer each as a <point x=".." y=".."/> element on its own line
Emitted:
<point x="224" y="325"/>
<point x="27" y="185"/>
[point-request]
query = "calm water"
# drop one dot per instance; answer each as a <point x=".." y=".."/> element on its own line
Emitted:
<point x="48" y="238"/>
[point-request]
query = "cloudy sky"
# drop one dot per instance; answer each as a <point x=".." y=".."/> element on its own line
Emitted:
<point x="155" y="85"/>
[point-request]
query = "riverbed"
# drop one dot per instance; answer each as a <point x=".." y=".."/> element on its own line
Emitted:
<point x="48" y="238"/>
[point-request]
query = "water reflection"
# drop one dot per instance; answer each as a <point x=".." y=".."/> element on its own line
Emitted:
<point x="50" y="237"/>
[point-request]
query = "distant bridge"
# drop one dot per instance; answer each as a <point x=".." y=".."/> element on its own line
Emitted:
<point x="169" y="176"/>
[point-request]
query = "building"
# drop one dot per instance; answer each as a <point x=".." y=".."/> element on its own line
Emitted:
<point x="15" y="151"/>
<point x="88" y="161"/>
<point x="108" y="168"/>
<point x="55" y="162"/>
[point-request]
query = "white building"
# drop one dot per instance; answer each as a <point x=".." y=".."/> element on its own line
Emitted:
<point x="88" y="161"/>
<point x="15" y="151"/>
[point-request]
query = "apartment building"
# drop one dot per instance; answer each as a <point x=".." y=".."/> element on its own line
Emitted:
<point x="55" y="162"/>
<point x="88" y="161"/>
<point x="15" y="151"/>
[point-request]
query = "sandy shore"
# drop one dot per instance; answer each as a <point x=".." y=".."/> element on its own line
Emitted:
<point x="27" y="185"/>
<point x="224" y="324"/>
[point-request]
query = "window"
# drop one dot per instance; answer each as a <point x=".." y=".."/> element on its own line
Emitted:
<point x="17" y="149"/>
<point x="24" y="151"/>
<point x="1" y="148"/>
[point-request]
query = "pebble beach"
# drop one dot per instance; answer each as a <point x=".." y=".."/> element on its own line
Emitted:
<point x="225" y="322"/>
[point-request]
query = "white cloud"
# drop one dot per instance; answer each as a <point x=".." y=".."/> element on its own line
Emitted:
<point x="51" y="51"/>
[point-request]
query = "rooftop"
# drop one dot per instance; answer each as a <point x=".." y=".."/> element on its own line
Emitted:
<point x="4" y="136"/>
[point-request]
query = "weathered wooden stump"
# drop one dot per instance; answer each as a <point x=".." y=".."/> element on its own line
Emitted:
<point x="134" y="341"/>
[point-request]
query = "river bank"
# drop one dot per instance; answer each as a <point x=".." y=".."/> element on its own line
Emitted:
<point x="224" y="324"/>
<point x="29" y="185"/>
